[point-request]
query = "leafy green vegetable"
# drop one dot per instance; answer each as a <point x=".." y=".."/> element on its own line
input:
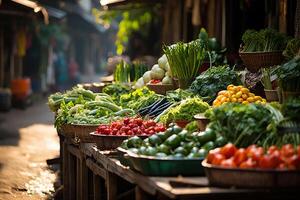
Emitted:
<point x="185" y="110"/>
<point x="264" y="40"/>
<point x="242" y="124"/>
<point x="291" y="109"/>
<point x="292" y="49"/>
<point x="178" y="95"/>
<point x="215" y="79"/>
<point x="137" y="98"/>
<point x="185" y="59"/>
<point x="116" y="90"/>
<point x="289" y="75"/>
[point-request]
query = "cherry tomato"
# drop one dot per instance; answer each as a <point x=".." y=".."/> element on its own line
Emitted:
<point x="229" y="163"/>
<point x="240" y="156"/>
<point x="126" y="120"/>
<point x="249" y="163"/>
<point x="272" y="149"/>
<point x="212" y="153"/>
<point x="228" y="150"/>
<point x="218" y="158"/>
<point x="255" y="153"/>
<point x="269" y="162"/>
<point x="293" y="162"/>
<point x="287" y="150"/>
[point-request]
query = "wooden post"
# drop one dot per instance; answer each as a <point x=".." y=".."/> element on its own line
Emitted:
<point x="84" y="179"/>
<point x="141" y="194"/>
<point x="111" y="185"/>
<point x="72" y="177"/>
<point x="1" y="58"/>
<point x="78" y="178"/>
<point x="65" y="170"/>
<point x="297" y="20"/>
<point x="282" y="16"/>
<point x="98" y="187"/>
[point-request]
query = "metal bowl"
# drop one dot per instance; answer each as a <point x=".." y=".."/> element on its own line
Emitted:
<point x="251" y="178"/>
<point x="202" y="121"/>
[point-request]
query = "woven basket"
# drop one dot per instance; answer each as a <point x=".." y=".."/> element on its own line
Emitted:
<point x="256" y="60"/>
<point x="160" y="88"/>
<point x="66" y="130"/>
<point x="82" y="132"/>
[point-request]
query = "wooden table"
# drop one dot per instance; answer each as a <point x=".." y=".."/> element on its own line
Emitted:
<point x="106" y="165"/>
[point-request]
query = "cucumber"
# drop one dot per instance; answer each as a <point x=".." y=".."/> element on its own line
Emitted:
<point x="124" y="111"/>
<point x="109" y="105"/>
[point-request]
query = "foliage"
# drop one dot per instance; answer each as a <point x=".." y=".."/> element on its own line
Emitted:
<point x="264" y="40"/>
<point x="292" y="49"/>
<point x="215" y="79"/>
<point x="289" y="75"/>
<point x="115" y="90"/>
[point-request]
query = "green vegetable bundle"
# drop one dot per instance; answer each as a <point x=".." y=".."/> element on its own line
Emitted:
<point x="289" y="75"/>
<point x="215" y="79"/>
<point x="125" y="72"/>
<point x="292" y="49"/>
<point x="138" y="98"/>
<point x="242" y="124"/>
<point x="265" y="40"/>
<point x="116" y="90"/>
<point x="185" y="59"/>
<point x="185" y="110"/>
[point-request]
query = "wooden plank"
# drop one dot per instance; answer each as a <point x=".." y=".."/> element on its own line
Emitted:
<point x="96" y="169"/>
<point x="141" y="195"/>
<point x="74" y="151"/>
<point x="65" y="171"/>
<point x="84" y="179"/>
<point x="78" y="179"/>
<point x="111" y="186"/>
<point x="72" y="177"/>
<point x="98" y="188"/>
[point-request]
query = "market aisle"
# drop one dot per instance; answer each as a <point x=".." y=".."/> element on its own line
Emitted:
<point x="27" y="140"/>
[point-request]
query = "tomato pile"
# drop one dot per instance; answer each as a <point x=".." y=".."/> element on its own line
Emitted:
<point x="286" y="157"/>
<point x="131" y="126"/>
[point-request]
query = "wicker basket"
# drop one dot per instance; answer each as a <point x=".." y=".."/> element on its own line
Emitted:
<point x="66" y="130"/>
<point x="256" y="60"/>
<point x="160" y="88"/>
<point x="82" y="132"/>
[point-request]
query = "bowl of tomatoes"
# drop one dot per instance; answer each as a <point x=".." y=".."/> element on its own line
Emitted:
<point x="110" y="136"/>
<point x="253" y="167"/>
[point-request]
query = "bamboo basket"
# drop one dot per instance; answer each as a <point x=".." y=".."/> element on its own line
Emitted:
<point x="256" y="60"/>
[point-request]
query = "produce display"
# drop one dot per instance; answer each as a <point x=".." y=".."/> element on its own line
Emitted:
<point x="126" y="73"/>
<point x="115" y="91"/>
<point x="265" y="40"/>
<point x="159" y="74"/>
<point x="229" y="156"/>
<point x="244" y="124"/>
<point x="185" y="110"/>
<point x="174" y="143"/>
<point x="238" y="94"/>
<point x="215" y="79"/>
<point x="130" y="126"/>
<point x="292" y="48"/>
<point x="289" y="75"/>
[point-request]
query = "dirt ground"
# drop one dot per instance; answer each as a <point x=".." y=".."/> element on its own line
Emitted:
<point x="27" y="140"/>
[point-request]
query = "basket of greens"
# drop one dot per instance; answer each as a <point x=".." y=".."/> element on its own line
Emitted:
<point x="262" y="48"/>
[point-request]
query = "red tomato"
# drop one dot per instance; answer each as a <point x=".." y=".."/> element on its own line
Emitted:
<point x="228" y="150"/>
<point x="298" y="150"/>
<point x="287" y="150"/>
<point x="130" y="132"/>
<point x="249" y="163"/>
<point x="211" y="154"/>
<point x="255" y="153"/>
<point x="229" y="163"/>
<point x="282" y="166"/>
<point x="272" y="149"/>
<point x="126" y="120"/>
<point x="240" y="156"/>
<point x="293" y="162"/>
<point x="218" y="158"/>
<point x="269" y="162"/>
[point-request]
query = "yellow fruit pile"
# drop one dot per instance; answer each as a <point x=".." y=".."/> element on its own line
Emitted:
<point x="237" y="94"/>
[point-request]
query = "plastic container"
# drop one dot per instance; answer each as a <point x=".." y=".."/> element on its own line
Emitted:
<point x="21" y="87"/>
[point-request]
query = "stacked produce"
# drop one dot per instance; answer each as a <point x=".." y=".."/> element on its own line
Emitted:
<point x="159" y="74"/>
<point x="130" y="126"/>
<point x="126" y="73"/>
<point x="229" y="156"/>
<point x="215" y="79"/>
<point x="115" y="91"/>
<point x="174" y="143"/>
<point x="237" y="94"/>
<point x="244" y="124"/>
<point x="185" y="110"/>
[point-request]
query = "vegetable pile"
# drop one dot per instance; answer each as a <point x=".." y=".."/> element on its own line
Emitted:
<point x="115" y="91"/>
<point x="289" y="75"/>
<point x="174" y="143"/>
<point x="215" y="79"/>
<point x="265" y="40"/>
<point x="184" y="111"/>
<point x="238" y="94"/>
<point x="130" y="126"/>
<point x="292" y="49"/>
<point x="126" y="73"/>
<point x="285" y="158"/>
<point x="242" y="124"/>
